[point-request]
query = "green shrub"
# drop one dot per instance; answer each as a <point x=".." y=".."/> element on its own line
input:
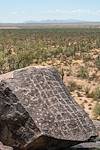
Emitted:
<point x="86" y="57"/>
<point x="69" y="51"/>
<point x="73" y="86"/>
<point x="87" y="92"/>
<point x="2" y="61"/>
<point x="97" y="62"/>
<point x="96" y="110"/>
<point x="96" y="94"/>
<point x="83" y="73"/>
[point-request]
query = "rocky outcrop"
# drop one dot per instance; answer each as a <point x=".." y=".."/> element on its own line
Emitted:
<point x="37" y="111"/>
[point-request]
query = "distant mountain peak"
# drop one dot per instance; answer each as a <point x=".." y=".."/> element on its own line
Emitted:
<point x="56" y="21"/>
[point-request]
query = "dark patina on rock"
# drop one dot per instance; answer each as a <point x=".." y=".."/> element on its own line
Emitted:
<point x="37" y="111"/>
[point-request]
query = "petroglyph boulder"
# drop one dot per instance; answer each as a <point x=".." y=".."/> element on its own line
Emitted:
<point x="37" y="111"/>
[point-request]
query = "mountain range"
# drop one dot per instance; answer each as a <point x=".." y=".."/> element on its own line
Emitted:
<point x="56" y="21"/>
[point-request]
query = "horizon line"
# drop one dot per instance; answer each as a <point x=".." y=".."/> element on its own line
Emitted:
<point x="50" y="21"/>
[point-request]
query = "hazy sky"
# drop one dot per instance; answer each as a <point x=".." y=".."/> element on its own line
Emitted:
<point x="24" y="10"/>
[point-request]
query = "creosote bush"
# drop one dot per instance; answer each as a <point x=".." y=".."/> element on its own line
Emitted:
<point x="96" y="110"/>
<point x="96" y="94"/>
<point x="87" y="92"/>
<point x="83" y="73"/>
<point x="72" y="85"/>
<point x="97" y="62"/>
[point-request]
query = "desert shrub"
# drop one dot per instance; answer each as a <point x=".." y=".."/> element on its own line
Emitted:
<point x="96" y="110"/>
<point x="69" y="51"/>
<point x="96" y="94"/>
<point x="1" y="57"/>
<point x="73" y="86"/>
<point x="87" y="92"/>
<point x="83" y="72"/>
<point x="97" y="62"/>
<point x="97" y="43"/>
<point x="23" y="59"/>
<point x="19" y="60"/>
<point x="86" y="57"/>
<point x="11" y="62"/>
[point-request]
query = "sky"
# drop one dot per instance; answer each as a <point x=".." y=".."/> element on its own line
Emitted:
<point x="17" y="11"/>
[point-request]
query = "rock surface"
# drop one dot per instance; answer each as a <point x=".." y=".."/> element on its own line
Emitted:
<point x="3" y="147"/>
<point x="89" y="146"/>
<point x="36" y="110"/>
<point x="97" y="125"/>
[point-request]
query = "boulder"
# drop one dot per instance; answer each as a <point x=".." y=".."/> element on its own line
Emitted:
<point x="38" y="112"/>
